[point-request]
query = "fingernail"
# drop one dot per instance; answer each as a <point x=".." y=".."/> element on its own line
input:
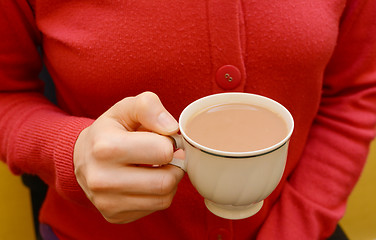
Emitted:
<point x="167" y="122"/>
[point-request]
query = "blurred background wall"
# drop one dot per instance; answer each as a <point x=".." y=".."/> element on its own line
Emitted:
<point x="359" y="222"/>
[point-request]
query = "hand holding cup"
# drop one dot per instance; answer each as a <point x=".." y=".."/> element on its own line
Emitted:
<point x="113" y="159"/>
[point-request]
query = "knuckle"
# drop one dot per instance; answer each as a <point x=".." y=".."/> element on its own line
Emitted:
<point x="119" y="219"/>
<point x="103" y="149"/>
<point x="94" y="184"/>
<point x="119" y="216"/>
<point x="147" y="96"/>
<point x="145" y="99"/>
<point x="114" y="220"/>
<point x="101" y="206"/>
<point x="167" y="184"/>
<point x="107" y="209"/>
<point x="166" y="152"/>
<point x="165" y="201"/>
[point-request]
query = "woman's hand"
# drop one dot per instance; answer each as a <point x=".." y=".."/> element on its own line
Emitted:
<point x="112" y="159"/>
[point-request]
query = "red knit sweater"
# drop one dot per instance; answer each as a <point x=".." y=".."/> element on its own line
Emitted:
<point x="315" y="57"/>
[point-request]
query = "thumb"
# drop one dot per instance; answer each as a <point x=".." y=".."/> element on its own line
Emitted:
<point x="144" y="110"/>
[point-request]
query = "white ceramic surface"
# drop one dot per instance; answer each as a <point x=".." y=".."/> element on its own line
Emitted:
<point x="234" y="184"/>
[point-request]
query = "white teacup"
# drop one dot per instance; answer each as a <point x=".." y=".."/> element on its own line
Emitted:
<point x="234" y="184"/>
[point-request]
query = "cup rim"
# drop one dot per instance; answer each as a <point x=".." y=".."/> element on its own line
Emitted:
<point x="238" y="154"/>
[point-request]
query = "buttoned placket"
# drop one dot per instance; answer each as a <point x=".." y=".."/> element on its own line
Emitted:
<point x="228" y="75"/>
<point x="226" y="51"/>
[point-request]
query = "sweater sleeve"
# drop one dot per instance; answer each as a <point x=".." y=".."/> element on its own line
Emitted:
<point x="314" y="198"/>
<point x="36" y="137"/>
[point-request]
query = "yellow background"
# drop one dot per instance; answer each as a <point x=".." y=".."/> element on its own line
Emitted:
<point x="359" y="222"/>
<point x="16" y="221"/>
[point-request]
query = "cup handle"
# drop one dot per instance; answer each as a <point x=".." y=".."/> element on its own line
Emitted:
<point x="178" y="144"/>
<point x="178" y="163"/>
<point x="177" y="141"/>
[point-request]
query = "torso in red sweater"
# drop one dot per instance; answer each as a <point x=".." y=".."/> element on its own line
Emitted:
<point x="99" y="52"/>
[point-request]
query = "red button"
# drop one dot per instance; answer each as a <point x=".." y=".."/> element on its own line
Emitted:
<point x="220" y="234"/>
<point x="228" y="77"/>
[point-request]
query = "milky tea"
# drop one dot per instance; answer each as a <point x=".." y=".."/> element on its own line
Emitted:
<point x="236" y="128"/>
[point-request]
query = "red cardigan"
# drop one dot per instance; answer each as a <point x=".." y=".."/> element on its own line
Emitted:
<point x="316" y="58"/>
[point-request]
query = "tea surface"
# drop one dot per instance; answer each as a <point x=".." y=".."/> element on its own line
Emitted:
<point x="236" y="128"/>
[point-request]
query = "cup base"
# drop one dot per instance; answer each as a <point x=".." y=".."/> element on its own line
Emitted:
<point x="233" y="212"/>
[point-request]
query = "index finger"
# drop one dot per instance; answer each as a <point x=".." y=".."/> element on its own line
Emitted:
<point x="144" y="110"/>
<point x="127" y="147"/>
